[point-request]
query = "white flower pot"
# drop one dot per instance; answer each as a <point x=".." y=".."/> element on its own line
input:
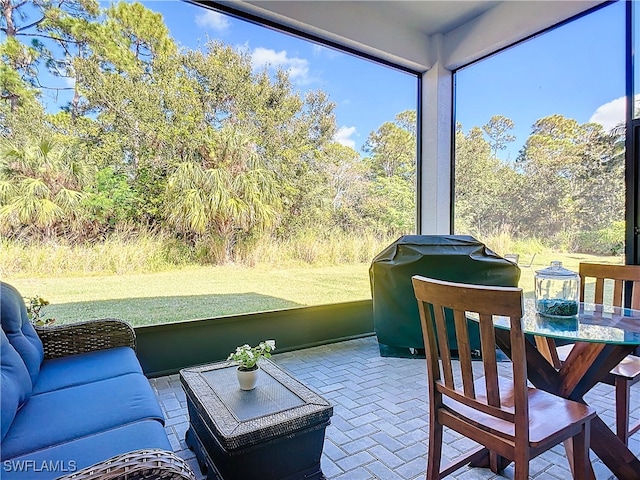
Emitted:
<point x="247" y="379"/>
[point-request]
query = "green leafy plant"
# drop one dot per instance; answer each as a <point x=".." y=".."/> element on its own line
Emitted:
<point x="34" y="311"/>
<point x="247" y="357"/>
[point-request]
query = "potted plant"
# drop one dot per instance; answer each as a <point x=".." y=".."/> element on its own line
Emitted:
<point x="247" y="359"/>
<point x="34" y="311"/>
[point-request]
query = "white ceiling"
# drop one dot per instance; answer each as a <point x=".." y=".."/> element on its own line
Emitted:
<point x="414" y="34"/>
<point x="427" y="17"/>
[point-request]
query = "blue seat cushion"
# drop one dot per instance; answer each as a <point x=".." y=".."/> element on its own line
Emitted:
<point x="15" y="383"/>
<point x="77" y="454"/>
<point x="21" y="334"/>
<point x="73" y="370"/>
<point x="56" y="417"/>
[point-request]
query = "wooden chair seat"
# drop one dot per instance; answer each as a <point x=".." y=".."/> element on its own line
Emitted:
<point x="628" y="368"/>
<point x="542" y="407"/>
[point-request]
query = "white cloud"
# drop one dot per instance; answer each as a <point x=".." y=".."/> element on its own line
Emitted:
<point x="343" y="136"/>
<point x="298" y="68"/>
<point x="213" y="20"/>
<point x="610" y="114"/>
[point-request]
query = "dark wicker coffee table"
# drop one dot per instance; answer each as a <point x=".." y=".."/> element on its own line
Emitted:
<point x="275" y="431"/>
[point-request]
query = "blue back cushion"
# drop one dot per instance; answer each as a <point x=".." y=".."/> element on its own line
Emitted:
<point x="15" y="383"/>
<point x="21" y="334"/>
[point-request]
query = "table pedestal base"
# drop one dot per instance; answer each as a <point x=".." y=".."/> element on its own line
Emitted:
<point x="587" y="364"/>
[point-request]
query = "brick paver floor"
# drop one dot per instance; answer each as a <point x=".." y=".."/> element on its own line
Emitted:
<point x="380" y="421"/>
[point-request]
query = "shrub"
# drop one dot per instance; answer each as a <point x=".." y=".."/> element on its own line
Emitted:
<point x="606" y="241"/>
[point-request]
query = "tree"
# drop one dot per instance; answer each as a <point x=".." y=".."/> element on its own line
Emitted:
<point x="497" y="130"/>
<point x="66" y="25"/>
<point x="573" y="185"/>
<point x="152" y="122"/>
<point x="486" y="189"/>
<point x="345" y="188"/>
<point x="392" y="148"/>
<point x="618" y="137"/>
<point x="390" y="203"/>
<point x="109" y="202"/>
<point x="389" y="208"/>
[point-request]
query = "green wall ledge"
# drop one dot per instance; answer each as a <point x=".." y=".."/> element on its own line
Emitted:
<point x="166" y="348"/>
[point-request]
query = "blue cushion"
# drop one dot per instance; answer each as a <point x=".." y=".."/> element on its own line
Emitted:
<point x="20" y="332"/>
<point x="15" y="383"/>
<point x="63" y="459"/>
<point x="60" y="416"/>
<point x="73" y="370"/>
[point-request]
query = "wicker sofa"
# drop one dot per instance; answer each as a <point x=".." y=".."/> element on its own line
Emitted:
<point x="75" y="403"/>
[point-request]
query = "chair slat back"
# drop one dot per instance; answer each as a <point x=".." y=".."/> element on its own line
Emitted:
<point x="438" y="300"/>
<point x="619" y="275"/>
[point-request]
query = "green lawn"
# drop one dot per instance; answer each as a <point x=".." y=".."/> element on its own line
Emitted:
<point x="569" y="260"/>
<point x="195" y="292"/>
<point x="206" y="292"/>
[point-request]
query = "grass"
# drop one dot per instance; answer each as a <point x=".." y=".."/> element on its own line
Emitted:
<point x="543" y="260"/>
<point x="207" y="292"/>
<point x="195" y="292"/>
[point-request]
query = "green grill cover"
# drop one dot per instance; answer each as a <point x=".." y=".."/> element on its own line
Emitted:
<point x="455" y="258"/>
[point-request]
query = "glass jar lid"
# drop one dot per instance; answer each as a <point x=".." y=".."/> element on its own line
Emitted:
<point x="556" y="270"/>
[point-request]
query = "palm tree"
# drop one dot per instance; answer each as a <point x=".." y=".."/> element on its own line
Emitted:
<point x="228" y="194"/>
<point x="40" y="187"/>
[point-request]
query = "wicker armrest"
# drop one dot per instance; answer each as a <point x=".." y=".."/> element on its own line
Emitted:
<point x="63" y="340"/>
<point x="137" y="465"/>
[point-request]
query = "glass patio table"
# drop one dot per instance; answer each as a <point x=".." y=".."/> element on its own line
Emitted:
<point x="603" y="336"/>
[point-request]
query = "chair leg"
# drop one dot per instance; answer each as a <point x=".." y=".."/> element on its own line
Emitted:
<point x="623" y="394"/>
<point x="521" y="462"/>
<point x="521" y="470"/>
<point x="497" y="463"/>
<point x="435" y="450"/>
<point x="580" y="455"/>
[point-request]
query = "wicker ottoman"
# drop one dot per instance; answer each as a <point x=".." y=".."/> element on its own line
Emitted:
<point x="274" y="432"/>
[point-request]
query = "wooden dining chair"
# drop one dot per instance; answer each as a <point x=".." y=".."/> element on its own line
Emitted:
<point x="627" y="372"/>
<point x="506" y="417"/>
